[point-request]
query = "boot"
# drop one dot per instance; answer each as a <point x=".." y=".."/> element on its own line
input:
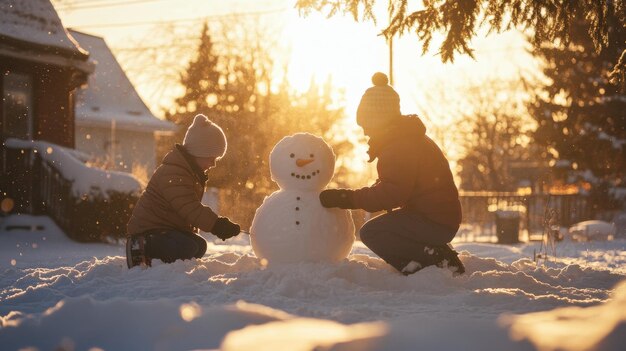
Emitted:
<point x="449" y="258"/>
<point x="136" y="252"/>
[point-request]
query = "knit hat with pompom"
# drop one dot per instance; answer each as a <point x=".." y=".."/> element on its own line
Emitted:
<point x="379" y="105"/>
<point x="205" y="138"/>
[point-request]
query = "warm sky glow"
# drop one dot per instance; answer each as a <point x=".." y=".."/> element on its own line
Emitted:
<point x="318" y="48"/>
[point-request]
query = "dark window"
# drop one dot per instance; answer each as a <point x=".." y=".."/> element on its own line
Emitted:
<point x="17" y="106"/>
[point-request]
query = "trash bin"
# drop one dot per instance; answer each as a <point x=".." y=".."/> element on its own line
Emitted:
<point x="507" y="227"/>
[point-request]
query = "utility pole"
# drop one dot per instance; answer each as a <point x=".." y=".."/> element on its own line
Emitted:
<point x="391" y="60"/>
<point x="390" y="42"/>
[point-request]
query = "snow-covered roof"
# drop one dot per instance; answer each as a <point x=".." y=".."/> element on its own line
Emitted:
<point x="36" y="24"/>
<point x="110" y="95"/>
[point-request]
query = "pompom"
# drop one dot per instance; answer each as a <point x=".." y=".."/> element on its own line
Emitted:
<point x="380" y="78"/>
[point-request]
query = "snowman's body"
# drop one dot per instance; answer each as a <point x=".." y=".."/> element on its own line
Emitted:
<point x="291" y="225"/>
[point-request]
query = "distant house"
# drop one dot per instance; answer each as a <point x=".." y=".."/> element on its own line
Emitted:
<point x="41" y="66"/>
<point x="113" y="124"/>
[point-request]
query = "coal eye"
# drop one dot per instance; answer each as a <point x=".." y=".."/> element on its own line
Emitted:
<point x="292" y="155"/>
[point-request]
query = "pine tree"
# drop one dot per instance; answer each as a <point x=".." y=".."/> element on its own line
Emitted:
<point x="201" y="79"/>
<point x="581" y="115"/>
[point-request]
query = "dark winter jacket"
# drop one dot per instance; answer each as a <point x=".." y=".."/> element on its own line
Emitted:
<point x="172" y="197"/>
<point x="413" y="174"/>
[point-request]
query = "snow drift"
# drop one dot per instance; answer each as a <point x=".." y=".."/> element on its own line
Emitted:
<point x="60" y="293"/>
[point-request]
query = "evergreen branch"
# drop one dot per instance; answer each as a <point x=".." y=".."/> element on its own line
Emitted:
<point x="618" y="75"/>
<point x="549" y="20"/>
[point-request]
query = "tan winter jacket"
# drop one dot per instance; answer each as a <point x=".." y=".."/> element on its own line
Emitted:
<point x="172" y="197"/>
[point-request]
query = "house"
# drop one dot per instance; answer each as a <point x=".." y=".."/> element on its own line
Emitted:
<point x="41" y="67"/>
<point x="41" y="173"/>
<point x="113" y="124"/>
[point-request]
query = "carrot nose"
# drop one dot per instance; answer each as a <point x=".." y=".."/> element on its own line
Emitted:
<point x="301" y="163"/>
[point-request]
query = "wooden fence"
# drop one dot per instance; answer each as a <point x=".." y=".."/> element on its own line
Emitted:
<point x="35" y="186"/>
<point x="480" y="209"/>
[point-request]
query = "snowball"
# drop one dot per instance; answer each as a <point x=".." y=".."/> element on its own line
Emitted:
<point x="291" y="225"/>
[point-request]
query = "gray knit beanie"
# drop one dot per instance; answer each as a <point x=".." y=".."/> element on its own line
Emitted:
<point x="205" y="138"/>
<point x="379" y="105"/>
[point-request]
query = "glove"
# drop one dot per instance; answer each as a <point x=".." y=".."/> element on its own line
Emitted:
<point x="341" y="198"/>
<point x="224" y="228"/>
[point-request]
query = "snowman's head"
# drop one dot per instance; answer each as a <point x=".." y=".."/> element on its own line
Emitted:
<point x="302" y="161"/>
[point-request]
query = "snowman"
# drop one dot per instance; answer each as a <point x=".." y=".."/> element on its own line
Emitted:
<point x="291" y="225"/>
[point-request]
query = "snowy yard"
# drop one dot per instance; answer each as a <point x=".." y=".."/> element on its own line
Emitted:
<point x="58" y="293"/>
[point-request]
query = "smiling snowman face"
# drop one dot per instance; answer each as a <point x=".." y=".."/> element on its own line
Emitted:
<point x="302" y="161"/>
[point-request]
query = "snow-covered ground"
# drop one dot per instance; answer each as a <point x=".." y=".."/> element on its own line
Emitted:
<point x="58" y="294"/>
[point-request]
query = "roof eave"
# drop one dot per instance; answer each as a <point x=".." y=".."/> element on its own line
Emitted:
<point x="48" y="58"/>
<point x="78" y="53"/>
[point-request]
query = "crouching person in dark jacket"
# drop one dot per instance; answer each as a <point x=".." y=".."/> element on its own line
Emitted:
<point x="415" y="187"/>
<point x="164" y="221"/>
